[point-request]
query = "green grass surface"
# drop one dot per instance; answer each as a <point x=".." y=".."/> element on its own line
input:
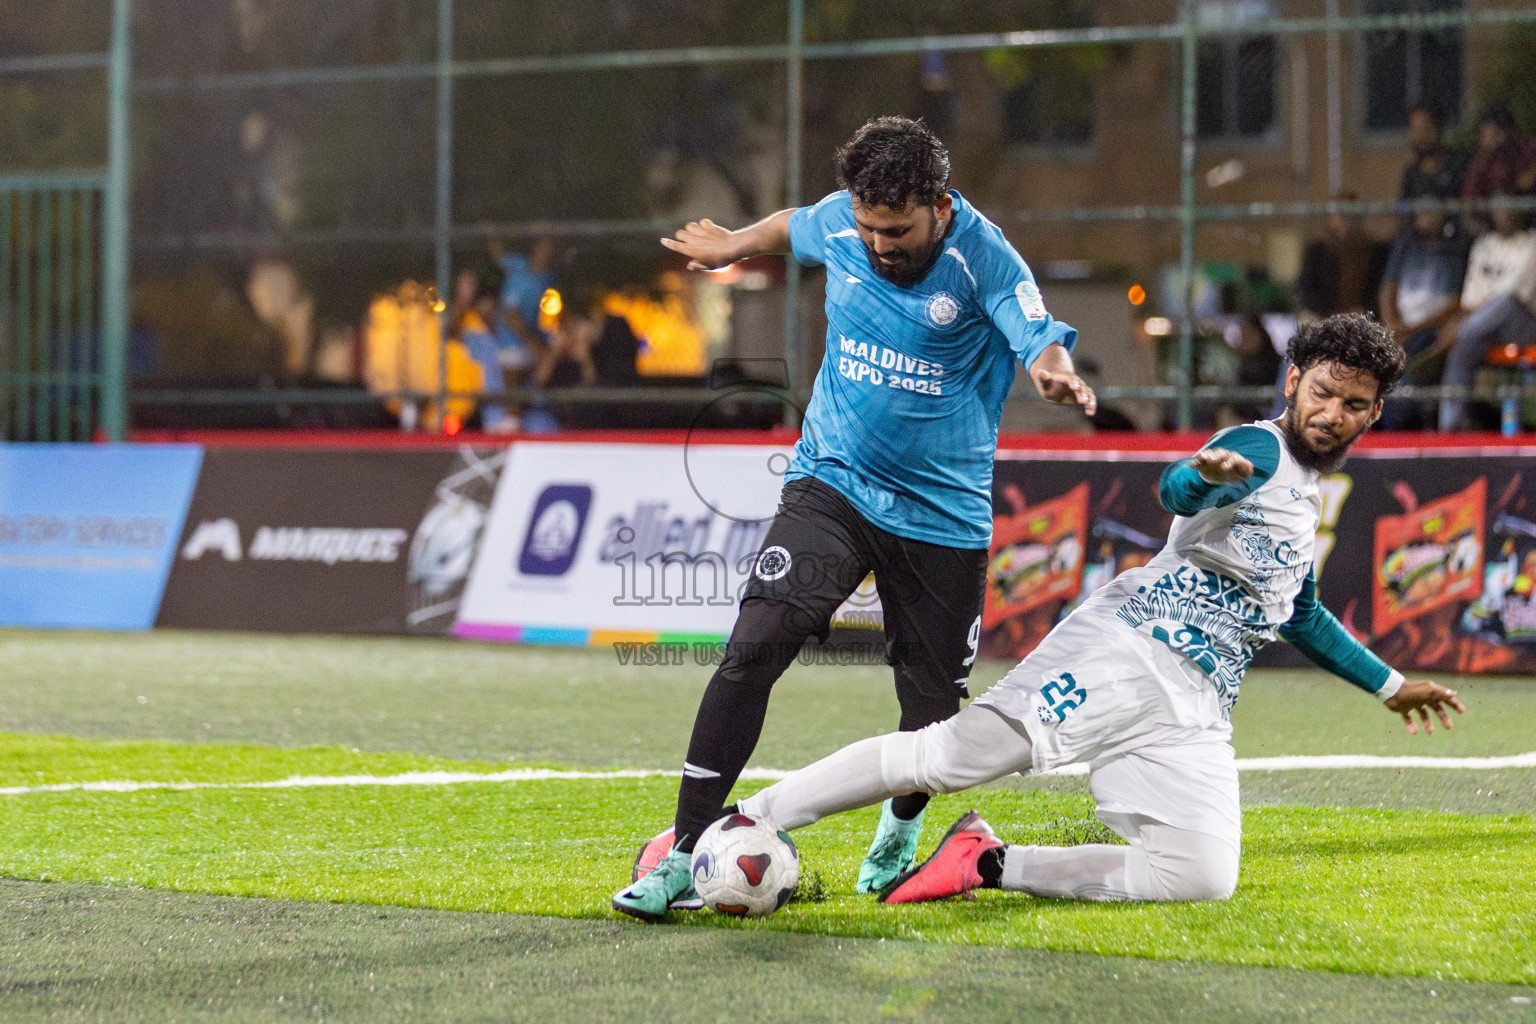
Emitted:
<point x="497" y="702"/>
<point x="1396" y="873"/>
<point x="85" y="952"/>
<point x="1316" y="888"/>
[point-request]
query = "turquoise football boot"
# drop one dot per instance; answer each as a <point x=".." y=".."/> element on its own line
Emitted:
<point x="668" y="885"/>
<point x="893" y="852"/>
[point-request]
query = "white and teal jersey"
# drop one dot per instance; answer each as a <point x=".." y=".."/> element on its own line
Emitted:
<point x="1237" y="560"/>
<point x="903" y="418"/>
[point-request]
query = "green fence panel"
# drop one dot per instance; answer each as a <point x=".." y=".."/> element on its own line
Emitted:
<point x="50" y="387"/>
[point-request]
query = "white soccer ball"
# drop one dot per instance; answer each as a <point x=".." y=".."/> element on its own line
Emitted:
<point x="745" y="866"/>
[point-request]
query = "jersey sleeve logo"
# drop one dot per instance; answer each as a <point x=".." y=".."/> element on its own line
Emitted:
<point x="1030" y="301"/>
<point x="942" y="309"/>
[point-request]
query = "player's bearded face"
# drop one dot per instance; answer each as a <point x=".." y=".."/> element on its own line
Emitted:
<point x="902" y="244"/>
<point x="1326" y="410"/>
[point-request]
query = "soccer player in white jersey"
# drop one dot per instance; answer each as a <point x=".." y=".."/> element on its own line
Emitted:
<point x="1138" y="682"/>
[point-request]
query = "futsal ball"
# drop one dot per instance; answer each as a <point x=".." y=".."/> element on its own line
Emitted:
<point x="745" y="867"/>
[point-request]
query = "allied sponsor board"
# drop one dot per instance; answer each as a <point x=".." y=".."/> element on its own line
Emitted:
<point x="87" y="532"/>
<point x="330" y="540"/>
<point x="631" y="542"/>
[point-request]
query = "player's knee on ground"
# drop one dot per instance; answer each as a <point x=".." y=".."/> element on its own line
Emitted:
<point x="974" y="747"/>
<point x="1189" y="866"/>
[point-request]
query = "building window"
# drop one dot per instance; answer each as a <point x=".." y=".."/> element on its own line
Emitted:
<point x="1402" y="70"/>
<point x="1052" y="110"/>
<point x="1235" y="75"/>
<point x="1050" y="97"/>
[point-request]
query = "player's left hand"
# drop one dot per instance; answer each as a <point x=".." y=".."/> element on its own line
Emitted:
<point x="1424" y="697"/>
<point x="1065" y="388"/>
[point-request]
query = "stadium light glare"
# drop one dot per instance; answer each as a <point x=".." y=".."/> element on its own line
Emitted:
<point x="1158" y="326"/>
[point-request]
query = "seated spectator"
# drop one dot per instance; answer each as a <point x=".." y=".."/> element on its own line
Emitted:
<point x="1434" y="170"/>
<point x="1497" y="305"/>
<point x="590" y="348"/>
<point x="1505" y="162"/>
<point x="526" y="280"/>
<point x="1420" y="293"/>
<point x="471" y="318"/>
<point x="1340" y="272"/>
<point x="568" y="362"/>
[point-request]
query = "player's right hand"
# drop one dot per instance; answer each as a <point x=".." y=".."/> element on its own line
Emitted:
<point x="707" y="245"/>
<point x="1220" y="466"/>
<point x="1424" y="697"/>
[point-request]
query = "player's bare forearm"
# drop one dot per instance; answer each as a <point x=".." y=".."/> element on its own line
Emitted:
<point x="709" y="246"/>
<point x="1057" y="382"/>
<point x="1424" y="697"/>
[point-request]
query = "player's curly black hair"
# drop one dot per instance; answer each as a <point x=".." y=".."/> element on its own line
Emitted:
<point x="892" y="161"/>
<point x="1354" y="340"/>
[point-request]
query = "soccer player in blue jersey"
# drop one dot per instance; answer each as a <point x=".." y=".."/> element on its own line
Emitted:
<point x="929" y="310"/>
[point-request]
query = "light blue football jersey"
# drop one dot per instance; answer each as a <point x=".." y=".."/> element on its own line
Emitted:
<point x="903" y="418"/>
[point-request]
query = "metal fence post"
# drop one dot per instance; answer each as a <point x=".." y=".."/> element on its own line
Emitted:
<point x="115" y="317"/>
<point x="794" y="68"/>
<point x="1187" y="126"/>
<point x="443" y="225"/>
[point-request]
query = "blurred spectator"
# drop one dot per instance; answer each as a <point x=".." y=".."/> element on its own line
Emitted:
<point x="590" y="348"/>
<point x="472" y="316"/>
<point x="1341" y="272"/>
<point x="567" y="362"/>
<point x="280" y="301"/>
<point x="1505" y="162"/>
<point x="1434" y="170"/>
<point x="1497" y="305"/>
<point x="1420" y="293"/>
<point x="526" y="280"/>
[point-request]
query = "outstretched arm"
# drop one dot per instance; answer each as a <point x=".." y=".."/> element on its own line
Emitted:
<point x="1233" y="465"/>
<point x="709" y="246"/>
<point x="1058" y="382"/>
<point x="1315" y="632"/>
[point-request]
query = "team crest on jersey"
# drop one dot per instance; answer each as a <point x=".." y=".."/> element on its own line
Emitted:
<point x="1030" y="301"/>
<point x="772" y="564"/>
<point x="942" y="309"/>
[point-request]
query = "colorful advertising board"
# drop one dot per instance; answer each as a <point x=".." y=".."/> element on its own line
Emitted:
<point x="87" y="532"/>
<point x="327" y="540"/>
<point x="590" y="543"/>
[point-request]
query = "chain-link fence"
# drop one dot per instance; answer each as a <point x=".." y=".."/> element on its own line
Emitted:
<point x="309" y="181"/>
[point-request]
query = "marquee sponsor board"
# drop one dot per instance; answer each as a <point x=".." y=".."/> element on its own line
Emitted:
<point x="330" y="540"/>
<point x="589" y="543"/>
<point x="87" y="532"/>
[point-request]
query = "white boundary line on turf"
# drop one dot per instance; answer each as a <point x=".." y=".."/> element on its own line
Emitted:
<point x="1322" y="762"/>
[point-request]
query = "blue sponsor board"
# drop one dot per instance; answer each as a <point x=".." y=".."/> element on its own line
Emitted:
<point x="87" y="532"/>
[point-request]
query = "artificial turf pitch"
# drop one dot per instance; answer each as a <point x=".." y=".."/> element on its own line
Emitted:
<point x="1372" y="876"/>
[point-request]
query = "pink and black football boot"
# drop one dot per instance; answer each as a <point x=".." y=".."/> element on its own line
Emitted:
<point x="951" y="870"/>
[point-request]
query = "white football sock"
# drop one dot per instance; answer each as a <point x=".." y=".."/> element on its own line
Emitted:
<point x="975" y="746"/>
<point x="1162" y="863"/>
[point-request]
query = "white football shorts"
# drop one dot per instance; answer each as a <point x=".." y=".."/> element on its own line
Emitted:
<point x="1142" y="717"/>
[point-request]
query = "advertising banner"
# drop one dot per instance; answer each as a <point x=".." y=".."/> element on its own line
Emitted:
<point x="591" y="543"/>
<point x="326" y="540"/>
<point x="1428" y="558"/>
<point x="87" y="531"/>
<point x="1062" y="528"/>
